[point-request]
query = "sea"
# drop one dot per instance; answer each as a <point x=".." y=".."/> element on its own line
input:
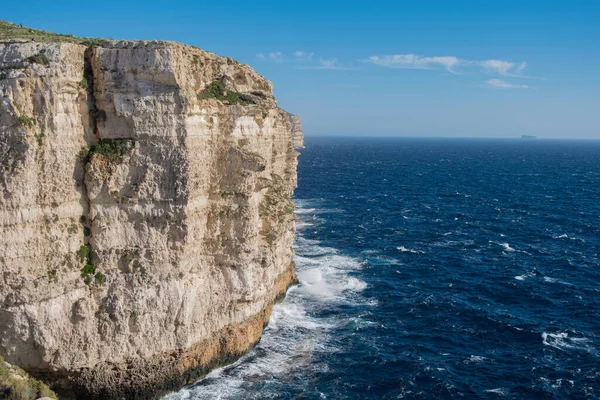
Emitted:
<point x="434" y="269"/>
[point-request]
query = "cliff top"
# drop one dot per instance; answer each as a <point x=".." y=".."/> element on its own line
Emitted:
<point x="10" y="31"/>
<point x="13" y="32"/>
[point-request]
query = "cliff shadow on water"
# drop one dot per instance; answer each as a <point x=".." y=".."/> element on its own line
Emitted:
<point x="146" y="220"/>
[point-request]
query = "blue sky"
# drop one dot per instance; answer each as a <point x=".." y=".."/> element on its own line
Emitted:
<point x="412" y="68"/>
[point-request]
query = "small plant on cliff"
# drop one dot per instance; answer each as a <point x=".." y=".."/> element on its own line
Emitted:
<point x="113" y="148"/>
<point x="86" y="253"/>
<point x="39" y="137"/>
<point x="88" y="272"/>
<point x="216" y="90"/>
<point x="83" y="83"/>
<point x="86" y="256"/>
<point x="39" y="58"/>
<point x="27" y="122"/>
<point x="84" y="154"/>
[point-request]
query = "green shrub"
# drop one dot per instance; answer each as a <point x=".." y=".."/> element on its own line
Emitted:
<point x="88" y="269"/>
<point x="83" y="83"/>
<point x="216" y="90"/>
<point x="86" y="253"/>
<point x="39" y="58"/>
<point x="113" y="148"/>
<point x="86" y="231"/>
<point x="27" y="122"/>
<point x="84" y="154"/>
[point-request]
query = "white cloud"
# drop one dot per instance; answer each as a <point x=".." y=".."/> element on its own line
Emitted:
<point x="276" y="56"/>
<point x="501" y="84"/>
<point x="302" y="59"/>
<point x="499" y="66"/>
<point x="449" y="63"/>
<point x="414" y="61"/>
<point x="303" y="54"/>
<point x="331" y="64"/>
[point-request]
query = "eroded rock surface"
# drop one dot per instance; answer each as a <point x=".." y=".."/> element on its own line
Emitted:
<point x="146" y="227"/>
<point x="297" y="133"/>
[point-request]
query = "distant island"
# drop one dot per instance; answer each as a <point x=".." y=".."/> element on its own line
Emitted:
<point x="528" y="137"/>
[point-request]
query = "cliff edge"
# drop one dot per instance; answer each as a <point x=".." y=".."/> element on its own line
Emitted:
<point x="297" y="133"/>
<point x="146" y="224"/>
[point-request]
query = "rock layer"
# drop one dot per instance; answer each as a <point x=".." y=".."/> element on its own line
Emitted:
<point x="146" y="228"/>
<point x="297" y="133"/>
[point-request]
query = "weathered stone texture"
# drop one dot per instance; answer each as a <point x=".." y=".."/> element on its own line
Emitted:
<point x="191" y="226"/>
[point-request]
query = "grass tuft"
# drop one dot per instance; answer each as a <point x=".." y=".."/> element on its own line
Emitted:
<point x="10" y="31"/>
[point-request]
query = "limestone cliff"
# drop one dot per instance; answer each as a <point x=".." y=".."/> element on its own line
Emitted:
<point x="297" y="133"/>
<point x="146" y="225"/>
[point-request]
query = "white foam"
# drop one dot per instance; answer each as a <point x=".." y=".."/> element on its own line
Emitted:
<point x="406" y="250"/>
<point x="475" y="359"/>
<point x="302" y="211"/>
<point x="525" y="276"/>
<point x="500" y="391"/>
<point x="565" y="236"/>
<point x="562" y="341"/>
<point x="554" y="280"/>
<point x="507" y="247"/>
<point x="293" y="334"/>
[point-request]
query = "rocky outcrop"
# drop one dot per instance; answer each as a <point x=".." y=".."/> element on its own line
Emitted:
<point x="146" y="225"/>
<point x="297" y="134"/>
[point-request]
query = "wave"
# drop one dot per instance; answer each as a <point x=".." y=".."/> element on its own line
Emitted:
<point x="562" y="341"/>
<point x="554" y="280"/>
<point x="406" y="250"/>
<point x="525" y="276"/>
<point x="302" y="225"/>
<point x="565" y="236"/>
<point x="293" y="334"/>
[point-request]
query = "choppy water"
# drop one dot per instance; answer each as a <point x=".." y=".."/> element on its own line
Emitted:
<point x="435" y="269"/>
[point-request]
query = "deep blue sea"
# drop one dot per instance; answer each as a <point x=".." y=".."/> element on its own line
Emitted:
<point x="435" y="268"/>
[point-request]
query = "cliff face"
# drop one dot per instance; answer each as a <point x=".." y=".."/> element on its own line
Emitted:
<point x="297" y="134"/>
<point x="146" y="225"/>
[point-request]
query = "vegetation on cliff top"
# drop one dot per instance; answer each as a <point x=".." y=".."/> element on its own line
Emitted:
<point x="15" y="384"/>
<point x="10" y="31"/>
